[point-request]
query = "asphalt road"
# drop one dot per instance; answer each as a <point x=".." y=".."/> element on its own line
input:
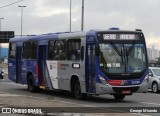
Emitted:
<point x="137" y="100"/>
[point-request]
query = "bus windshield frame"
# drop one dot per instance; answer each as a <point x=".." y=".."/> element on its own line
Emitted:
<point x="126" y="56"/>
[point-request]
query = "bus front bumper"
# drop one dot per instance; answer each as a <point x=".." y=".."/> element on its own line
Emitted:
<point x="108" y="89"/>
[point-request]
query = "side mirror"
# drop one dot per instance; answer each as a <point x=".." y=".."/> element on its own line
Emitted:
<point x="150" y="74"/>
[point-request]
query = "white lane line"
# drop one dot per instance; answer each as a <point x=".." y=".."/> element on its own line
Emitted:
<point x="13" y="83"/>
<point x="150" y="103"/>
<point x="78" y="103"/>
<point x="85" y="105"/>
<point x="59" y="101"/>
<point x="156" y="94"/>
<point x="140" y="114"/>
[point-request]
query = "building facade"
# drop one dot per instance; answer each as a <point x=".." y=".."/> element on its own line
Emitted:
<point x="153" y="54"/>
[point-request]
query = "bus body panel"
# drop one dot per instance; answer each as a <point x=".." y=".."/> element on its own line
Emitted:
<point x="57" y="74"/>
<point x="60" y="73"/>
<point x="132" y="85"/>
<point x="67" y="69"/>
<point x="12" y="70"/>
<point x="29" y="68"/>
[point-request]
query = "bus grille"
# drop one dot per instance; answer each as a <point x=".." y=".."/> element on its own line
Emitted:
<point x="124" y="77"/>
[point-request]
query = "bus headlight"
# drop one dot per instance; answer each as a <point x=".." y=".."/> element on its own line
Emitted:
<point x="103" y="81"/>
<point x="146" y="79"/>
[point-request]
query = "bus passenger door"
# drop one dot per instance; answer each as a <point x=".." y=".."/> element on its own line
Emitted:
<point x="41" y="64"/>
<point x="18" y="64"/>
<point x="91" y="68"/>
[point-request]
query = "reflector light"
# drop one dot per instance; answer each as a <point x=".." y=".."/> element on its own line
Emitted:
<point x="114" y="28"/>
<point x="115" y="82"/>
<point x="37" y="69"/>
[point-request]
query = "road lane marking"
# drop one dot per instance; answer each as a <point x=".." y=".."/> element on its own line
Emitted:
<point x="140" y="114"/>
<point x="150" y="103"/>
<point x="59" y="101"/>
<point x="13" y="83"/>
<point x="86" y="105"/>
<point x="78" y="103"/>
<point x="157" y="94"/>
<point x="8" y="95"/>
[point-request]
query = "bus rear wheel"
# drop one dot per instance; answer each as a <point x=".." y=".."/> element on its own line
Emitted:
<point x="77" y="91"/>
<point x="119" y="97"/>
<point x="30" y="84"/>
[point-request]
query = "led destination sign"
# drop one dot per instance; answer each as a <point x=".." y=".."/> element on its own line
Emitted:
<point x="119" y="36"/>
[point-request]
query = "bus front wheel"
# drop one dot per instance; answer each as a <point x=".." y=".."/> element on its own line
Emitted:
<point x="77" y="91"/>
<point x="119" y="97"/>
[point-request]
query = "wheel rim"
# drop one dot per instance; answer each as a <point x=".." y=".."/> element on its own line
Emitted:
<point x="154" y="88"/>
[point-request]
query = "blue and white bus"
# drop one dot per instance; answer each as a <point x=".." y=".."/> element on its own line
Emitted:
<point x="94" y="62"/>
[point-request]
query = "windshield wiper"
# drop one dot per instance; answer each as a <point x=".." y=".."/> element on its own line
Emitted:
<point x="129" y="51"/>
<point x="118" y="51"/>
<point x="127" y="54"/>
<point x="121" y="55"/>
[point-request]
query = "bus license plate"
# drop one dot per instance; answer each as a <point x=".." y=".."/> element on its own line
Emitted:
<point x="126" y="92"/>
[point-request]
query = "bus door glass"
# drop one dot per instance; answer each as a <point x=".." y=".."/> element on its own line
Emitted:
<point x="41" y="64"/>
<point x="12" y="62"/>
<point x="18" y="64"/>
<point x="91" y="68"/>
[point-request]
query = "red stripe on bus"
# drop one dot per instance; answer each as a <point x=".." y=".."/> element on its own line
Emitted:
<point x="115" y="82"/>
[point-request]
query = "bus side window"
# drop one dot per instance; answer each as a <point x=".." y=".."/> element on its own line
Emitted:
<point x="26" y="47"/>
<point x="12" y="50"/>
<point x="60" y="50"/>
<point x="51" y="50"/>
<point x="29" y="50"/>
<point x="34" y="49"/>
<point x="74" y="49"/>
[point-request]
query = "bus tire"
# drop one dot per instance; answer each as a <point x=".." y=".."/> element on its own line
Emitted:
<point x="119" y="96"/>
<point x="77" y="91"/>
<point x="155" y="87"/>
<point x="30" y="84"/>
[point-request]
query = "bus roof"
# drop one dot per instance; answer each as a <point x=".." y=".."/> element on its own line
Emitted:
<point x="65" y="35"/>
<point x="48" y="36"/>
<point x="33" y="38"/>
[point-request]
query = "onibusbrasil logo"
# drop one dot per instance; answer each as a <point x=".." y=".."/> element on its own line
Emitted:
<point x="22" y="110"/>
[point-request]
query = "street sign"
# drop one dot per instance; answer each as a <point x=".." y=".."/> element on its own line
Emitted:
<point x="5" y="36"/>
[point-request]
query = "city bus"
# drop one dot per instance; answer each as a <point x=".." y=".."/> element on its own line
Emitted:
<point x="94" y="62"/>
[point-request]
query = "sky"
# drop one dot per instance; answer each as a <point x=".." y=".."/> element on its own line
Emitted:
<point x="49" y="16"/>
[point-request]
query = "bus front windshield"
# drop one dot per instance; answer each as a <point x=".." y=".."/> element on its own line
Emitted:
<point x="122" y="58"/>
